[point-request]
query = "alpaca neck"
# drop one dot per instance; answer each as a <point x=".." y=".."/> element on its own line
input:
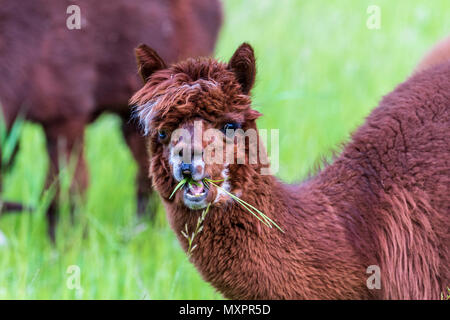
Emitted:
<point x="238" y="254"/>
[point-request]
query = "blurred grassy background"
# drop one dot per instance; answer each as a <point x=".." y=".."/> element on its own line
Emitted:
<point x="320" y="72"/>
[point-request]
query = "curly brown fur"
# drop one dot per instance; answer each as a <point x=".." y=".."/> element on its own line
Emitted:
<point x="383" y="201"/>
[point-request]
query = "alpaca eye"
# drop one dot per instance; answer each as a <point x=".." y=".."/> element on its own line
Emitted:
<point x="162" y="135"/>
<point x="230" y="126"/>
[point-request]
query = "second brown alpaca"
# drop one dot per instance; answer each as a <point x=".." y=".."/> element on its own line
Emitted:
<point x="65" y="79"/>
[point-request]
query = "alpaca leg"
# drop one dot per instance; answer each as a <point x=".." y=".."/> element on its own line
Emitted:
<point x="65" y="140"/>
<point x="138" y="148"/>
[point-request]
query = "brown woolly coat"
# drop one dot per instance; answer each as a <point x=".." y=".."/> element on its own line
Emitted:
<point x="384" y="201"/>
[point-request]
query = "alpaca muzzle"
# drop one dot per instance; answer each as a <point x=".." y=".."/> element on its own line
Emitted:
<point x="194" y="195"/>
<point x="195" y="192"/>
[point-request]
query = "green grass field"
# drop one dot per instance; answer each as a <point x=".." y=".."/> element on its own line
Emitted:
<point x="320" y="72"/>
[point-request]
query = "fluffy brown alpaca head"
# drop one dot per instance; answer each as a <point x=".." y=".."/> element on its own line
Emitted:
<point x="206" y="98"/>
<point x="179" y="105"/>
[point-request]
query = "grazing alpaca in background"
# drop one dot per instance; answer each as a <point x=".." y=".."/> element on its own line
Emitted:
<point x="384" y="201"/>
<point x="64" y="79"/>
<point x="440" y="53"/>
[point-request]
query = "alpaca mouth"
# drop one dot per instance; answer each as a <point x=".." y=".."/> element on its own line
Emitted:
<point x="194" y="195"/>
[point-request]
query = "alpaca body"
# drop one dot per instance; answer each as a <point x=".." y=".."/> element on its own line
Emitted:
<point x="384" y="201"/>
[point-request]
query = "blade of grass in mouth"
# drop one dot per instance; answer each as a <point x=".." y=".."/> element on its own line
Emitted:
<point x="254" y="211"/>
<point x="179" y="185"/>
<point x="182" y="183"/>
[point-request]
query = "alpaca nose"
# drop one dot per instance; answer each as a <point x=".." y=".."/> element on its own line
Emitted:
<point x="186" y="169"/>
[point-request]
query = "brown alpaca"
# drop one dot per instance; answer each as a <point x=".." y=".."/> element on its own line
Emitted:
<point x="64" y="79"/>
<point x="384" y="201"/>
<point x="440" y="53"/>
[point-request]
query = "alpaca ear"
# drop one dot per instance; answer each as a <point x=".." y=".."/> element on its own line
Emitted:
<point x="148" y="61"/>
<point x="242" y="63"/>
